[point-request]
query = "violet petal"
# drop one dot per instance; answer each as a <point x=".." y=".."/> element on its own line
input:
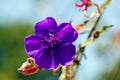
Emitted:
<point x="44" y="27"/>
<point x="33" y="44"/>
<point x="66" y="33"/>
<point x="65" y="53"/>
<point x="46" y="59"/>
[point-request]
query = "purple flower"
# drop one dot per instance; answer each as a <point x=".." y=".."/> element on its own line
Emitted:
<point x="51" y="44"/>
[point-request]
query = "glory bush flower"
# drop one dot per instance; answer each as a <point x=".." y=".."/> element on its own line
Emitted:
<point x="51" y="44"/>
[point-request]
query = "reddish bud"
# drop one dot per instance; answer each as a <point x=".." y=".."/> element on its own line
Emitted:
<point x="28" y="67"/>
<point x="96" y="34"/>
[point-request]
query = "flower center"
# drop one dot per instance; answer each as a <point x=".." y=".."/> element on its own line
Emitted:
<point x="52" y="40"/>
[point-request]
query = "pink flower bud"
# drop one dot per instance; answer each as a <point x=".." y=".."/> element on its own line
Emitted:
<point x="28" y="67"/>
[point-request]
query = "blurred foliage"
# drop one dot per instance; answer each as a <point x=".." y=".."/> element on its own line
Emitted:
<point x="113" y="74"/>
<point x="12" y="53"/>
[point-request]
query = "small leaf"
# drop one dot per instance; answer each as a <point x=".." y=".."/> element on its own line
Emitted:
<point x="105" y="28"/>
<point x="86" y="42"/>
<point x="93" y="14"/>
<point x="90" y="40"/>
<point x="80" y="26"/>
<point x="105" y="4"/>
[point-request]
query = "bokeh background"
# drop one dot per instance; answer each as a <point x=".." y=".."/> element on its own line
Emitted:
<point x="18" y="17"/>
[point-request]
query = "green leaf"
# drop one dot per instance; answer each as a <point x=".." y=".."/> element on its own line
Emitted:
<point x="104" y="28"/>
<point x="86" y="42"/>
<point x="105" y="4"/>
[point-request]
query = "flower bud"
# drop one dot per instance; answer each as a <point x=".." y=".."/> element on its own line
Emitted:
<point x="96" y="34"/>
<point x="28" y="67"/>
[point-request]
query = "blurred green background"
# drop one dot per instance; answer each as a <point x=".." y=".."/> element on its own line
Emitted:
<point x="17" y="19"/>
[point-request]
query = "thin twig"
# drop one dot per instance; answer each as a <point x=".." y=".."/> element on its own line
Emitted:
<point x="87" y="30"/>
<point x="95" y="25"/>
